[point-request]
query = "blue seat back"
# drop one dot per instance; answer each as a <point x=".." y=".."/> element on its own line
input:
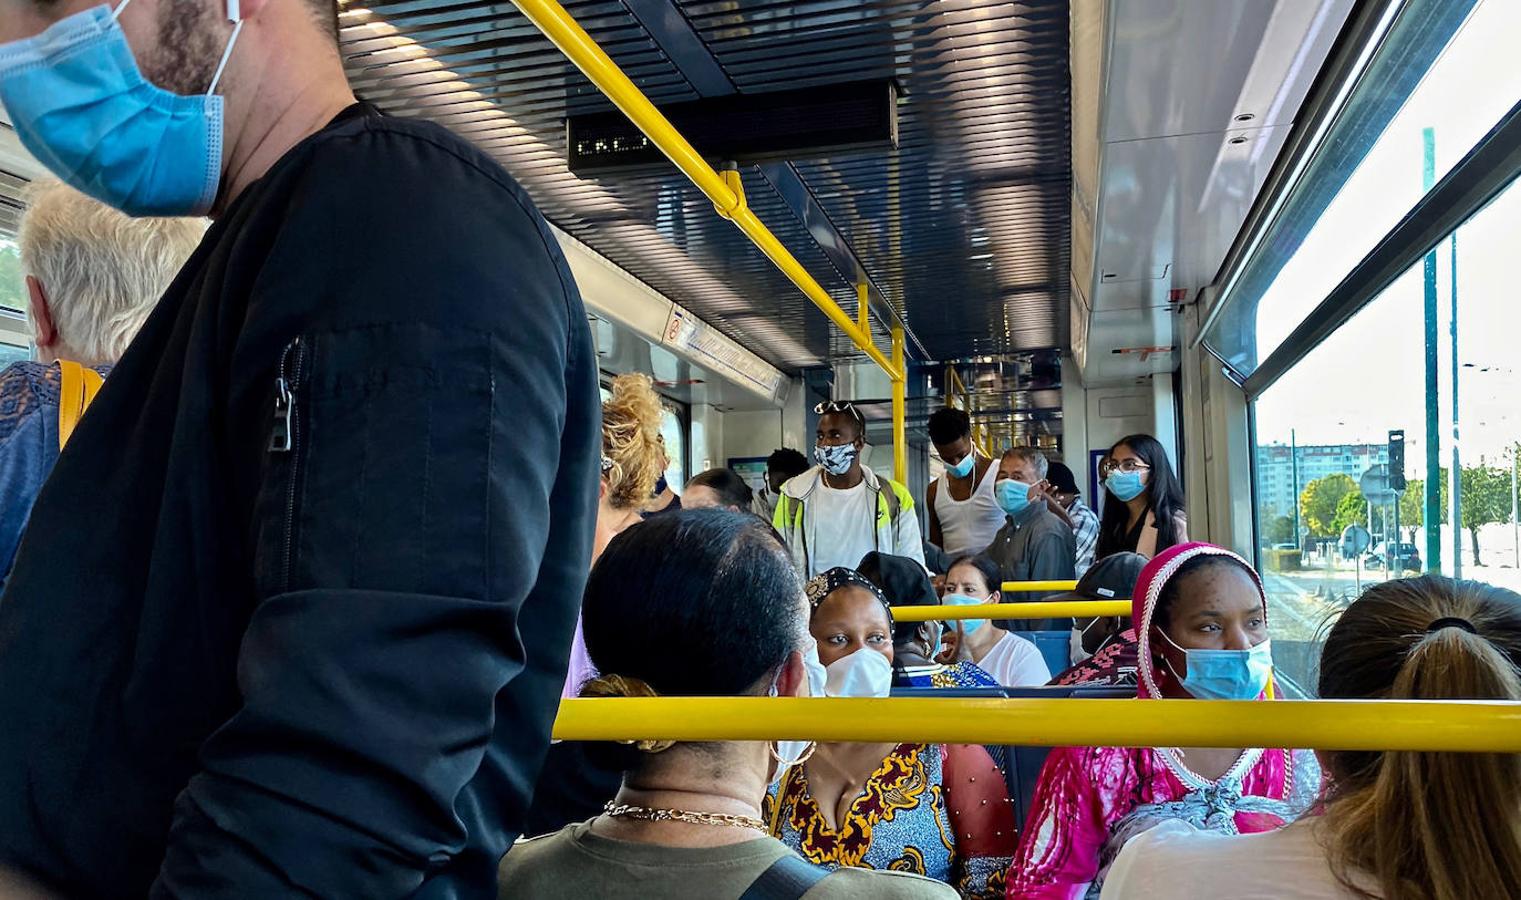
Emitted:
<point x="1054" y="646"/>
<point x="1022" y="765"/>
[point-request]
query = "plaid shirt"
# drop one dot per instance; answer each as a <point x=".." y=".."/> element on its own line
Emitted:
<point x="1085" y="524"/>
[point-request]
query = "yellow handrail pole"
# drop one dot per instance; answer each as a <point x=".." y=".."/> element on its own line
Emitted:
<point x="1049" y="586"/>
<point x="1451" y="725"/>
<point x="863" y="307"/>
<point x="900" y="403"/>
<point x="564" y="32"/>
<point x="1062" y="609"/>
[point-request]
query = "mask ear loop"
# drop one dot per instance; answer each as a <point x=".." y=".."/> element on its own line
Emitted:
<point x="235" y="16"/>
<point x="116" y="13"/>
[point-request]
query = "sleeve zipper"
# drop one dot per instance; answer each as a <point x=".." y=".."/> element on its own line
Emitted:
<point x="282" y="438"/>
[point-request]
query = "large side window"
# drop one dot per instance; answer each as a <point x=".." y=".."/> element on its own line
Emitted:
<point x="1323" y="440"/>
<point x="1445" y="74"/>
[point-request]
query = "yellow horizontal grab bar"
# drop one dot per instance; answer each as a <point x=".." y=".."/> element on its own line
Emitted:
<point x="1469" y="726"/>
<point x="1058" y="610"/>
<point x="1052" y="586"/>
<point x="561" y="29"/>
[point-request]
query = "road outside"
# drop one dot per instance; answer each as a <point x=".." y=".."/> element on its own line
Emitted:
<point x="1301" y="601"/>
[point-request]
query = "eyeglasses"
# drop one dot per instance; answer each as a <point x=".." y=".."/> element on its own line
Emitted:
<point x="838" y="406"/>
<point x="1109" y="467"/>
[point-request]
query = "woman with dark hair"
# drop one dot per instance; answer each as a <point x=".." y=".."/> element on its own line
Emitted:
<point x="932" y="809"/>
<point x="1008" y="658"/>
<point x="687" y="820"/>
<point x="1397" y="825"/>
<point x="1201" y="624"/>
<point x="916" y="645"/>
<point x="717" y="488"/>
<point x="1143" y="509"/>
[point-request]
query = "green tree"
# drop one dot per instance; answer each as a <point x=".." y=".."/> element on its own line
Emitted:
<point x="12" y="286"/>
<point x="1320" y="500"/>
<point x="1351" y="509"/>
<point x="1486" y="499"/>
<point x="1279" y="530"/>
<point x="1413" y="504"/>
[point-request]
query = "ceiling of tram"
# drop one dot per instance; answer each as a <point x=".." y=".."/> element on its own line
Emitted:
<point x="964" y="228"/>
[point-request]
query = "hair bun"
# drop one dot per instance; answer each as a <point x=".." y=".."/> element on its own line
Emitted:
<point x="626" y="686"/>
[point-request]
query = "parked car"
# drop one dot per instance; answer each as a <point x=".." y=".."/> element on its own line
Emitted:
<point x="1401" y="557"/>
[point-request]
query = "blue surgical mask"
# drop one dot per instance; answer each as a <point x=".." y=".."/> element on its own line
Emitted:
<point x="1125" y="486"/>
<point x="967" y="625"/>
<point x="1227" y="674"/>
<point x="835" y="459"/>
<point x="963" y="468"/>
<point x="80" y="105"/>
<point x="1013" y="496"/>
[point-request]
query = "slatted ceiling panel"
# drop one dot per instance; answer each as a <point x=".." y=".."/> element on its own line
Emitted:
<point x="484" y="71"/>
<point x="982" y="167"/>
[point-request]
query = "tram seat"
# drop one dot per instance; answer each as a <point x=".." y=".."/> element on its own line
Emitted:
<point x="1021" y="765"/>
<point x="1054" y="646"/>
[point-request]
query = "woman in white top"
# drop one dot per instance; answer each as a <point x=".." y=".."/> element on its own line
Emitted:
<point x="1012" y="660"/>
<point x="1396" y="825"/>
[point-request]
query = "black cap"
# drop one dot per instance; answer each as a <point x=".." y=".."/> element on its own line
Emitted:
<point x="1061" y="479"/>
<point x="1111" y="578"/>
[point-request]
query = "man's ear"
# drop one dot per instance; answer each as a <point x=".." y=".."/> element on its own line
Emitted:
<point x="44" y="330"/>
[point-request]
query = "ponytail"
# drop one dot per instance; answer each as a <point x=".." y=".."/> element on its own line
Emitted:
<point x="1433" y="826"/>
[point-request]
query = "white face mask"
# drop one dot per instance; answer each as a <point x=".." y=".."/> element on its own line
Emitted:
<point x="864" y="673"/>
<point x="791" y="753"/>
<point x="818" y="676"/>
<point x="1076" y="647"/>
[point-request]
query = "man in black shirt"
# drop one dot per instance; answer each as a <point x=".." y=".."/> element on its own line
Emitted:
<point x="293" y="612"/>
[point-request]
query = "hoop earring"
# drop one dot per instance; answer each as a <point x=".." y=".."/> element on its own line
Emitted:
<point x="772" y="747"/>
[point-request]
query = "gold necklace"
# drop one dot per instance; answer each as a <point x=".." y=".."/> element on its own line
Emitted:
<point x="644" y="814"/>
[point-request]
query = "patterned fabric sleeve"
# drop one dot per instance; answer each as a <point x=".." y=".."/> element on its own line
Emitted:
<point x="978" y="804"/>
<point x="1085" y="525"/>
<point x="1058" y="854"/>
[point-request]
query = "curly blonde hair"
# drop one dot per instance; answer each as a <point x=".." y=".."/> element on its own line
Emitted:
<point x="632" y="447"/>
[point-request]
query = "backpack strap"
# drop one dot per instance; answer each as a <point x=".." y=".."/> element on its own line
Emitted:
<point x="79" y="387"/>
<point x="789" y="878"/>
<point x="894" y="503"/>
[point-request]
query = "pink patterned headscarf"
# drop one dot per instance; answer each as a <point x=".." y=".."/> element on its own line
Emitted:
<point x="1148" y="590"/>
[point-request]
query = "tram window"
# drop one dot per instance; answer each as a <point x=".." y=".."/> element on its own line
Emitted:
<point x="1369" y="172"/>
<point x="10" y="353"/>
<point x="12" y="294"/>
<point x="673" y="429"/>
<point x="1326" y="422"/>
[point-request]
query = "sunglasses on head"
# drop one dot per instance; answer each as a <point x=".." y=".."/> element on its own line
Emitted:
<point x="838" y="406"/>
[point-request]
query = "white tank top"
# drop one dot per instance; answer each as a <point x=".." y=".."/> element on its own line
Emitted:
<point x="969" y="526"/>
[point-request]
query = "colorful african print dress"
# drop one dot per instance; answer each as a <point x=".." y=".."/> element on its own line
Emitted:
<point x="965" y="674"/>
<point x="903" y="820"/>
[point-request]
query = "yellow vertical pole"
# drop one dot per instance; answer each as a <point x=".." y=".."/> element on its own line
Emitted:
<point x="900" y="401"/>
<point x="863" y="307"/>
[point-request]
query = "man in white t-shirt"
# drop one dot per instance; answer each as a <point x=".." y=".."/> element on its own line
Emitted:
<point x="838" y="511"/>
